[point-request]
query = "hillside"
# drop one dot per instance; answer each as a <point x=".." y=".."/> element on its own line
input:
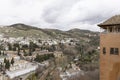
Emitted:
<point x="22" y="30"/>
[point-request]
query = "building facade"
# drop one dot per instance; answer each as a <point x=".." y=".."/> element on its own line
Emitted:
<point x="110" y="49"/>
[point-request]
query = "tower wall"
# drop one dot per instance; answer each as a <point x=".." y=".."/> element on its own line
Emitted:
<point x="109" y="63"/>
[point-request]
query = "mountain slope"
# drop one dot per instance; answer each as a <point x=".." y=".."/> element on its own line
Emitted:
<point x="22" y="30"/>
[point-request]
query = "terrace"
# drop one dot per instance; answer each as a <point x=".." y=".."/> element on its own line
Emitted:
<point x="20" y="68"/>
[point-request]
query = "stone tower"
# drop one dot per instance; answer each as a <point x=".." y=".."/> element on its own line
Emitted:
<point x="110" y="49"/>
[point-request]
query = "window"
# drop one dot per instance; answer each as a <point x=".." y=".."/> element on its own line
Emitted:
<point x="111" y="50"/>
<point x="114" y="51"/>
<point x="104" y="50"/>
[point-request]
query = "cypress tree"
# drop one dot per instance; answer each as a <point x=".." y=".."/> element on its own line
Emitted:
<point x="5" y="60"/>
<point x="12" y="61"/>
<point x="7" y="65"/>
<point x="0" y="52"/>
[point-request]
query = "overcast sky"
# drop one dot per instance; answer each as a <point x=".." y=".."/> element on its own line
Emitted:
<point x="58" y="14"/>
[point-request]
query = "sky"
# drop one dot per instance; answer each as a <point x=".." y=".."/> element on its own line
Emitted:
<point x="58" y="14"/>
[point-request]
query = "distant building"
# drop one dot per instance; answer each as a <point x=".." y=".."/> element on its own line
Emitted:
<point x="21" y="67"/>
<point x="58" y="54"/>
<point x="110" y="49"/>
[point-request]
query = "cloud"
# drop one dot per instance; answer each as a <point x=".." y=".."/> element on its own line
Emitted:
<point x="59" y="14"/>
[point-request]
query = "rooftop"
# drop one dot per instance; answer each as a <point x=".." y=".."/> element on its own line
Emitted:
<point x="115" y="20"/>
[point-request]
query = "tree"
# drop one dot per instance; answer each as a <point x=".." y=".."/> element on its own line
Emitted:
<point x="37" y="58"/>
<point x="40" y="58"/>
<point x="81" y="51"/>
<point x="19" y="50"/>
<point x="25" y="54"/>
<point x="12" y="61"/>
<point x="25" y="46"/>
<point x="5" y="60"/>
<point x="9" y="46"/>
<point x="3" y="53"/>
<point x="62" y="46"/>
<point x="7" y="65"/>
<point x="0" y="52"/>
<point x="15" y="46"/>
<point x="1" y="66"/>
<point x="30" y="48"/>
<point x="53" y="47"/>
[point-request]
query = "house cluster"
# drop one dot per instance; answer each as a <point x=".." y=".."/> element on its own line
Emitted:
<point x="20" y="67"/>
<point x="71" y="41"/>
<point x="9" y="56"/>
<point x="24" y="66"/>
<point x="40" y="42"/>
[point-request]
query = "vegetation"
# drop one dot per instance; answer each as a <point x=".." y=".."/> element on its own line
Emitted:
<point x="12" y="61"/>
<point x="20" y="30"/>
<point x="32" y="77"/>
<point x="84" y="53"/>
<point x="7" y="65"/>
<point x="40" y="58"/>
<point x="5" y="60"/>
<point x="32" y="47"/>
<point x="90" y="75"/>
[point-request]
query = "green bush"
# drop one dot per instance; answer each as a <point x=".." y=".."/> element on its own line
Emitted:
<point x="40" y="58"/>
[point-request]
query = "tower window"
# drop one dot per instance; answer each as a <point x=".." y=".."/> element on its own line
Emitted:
<point x="104" y="50"/>
<point x="111" y="50"/>
<point x="114" y="51"/>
